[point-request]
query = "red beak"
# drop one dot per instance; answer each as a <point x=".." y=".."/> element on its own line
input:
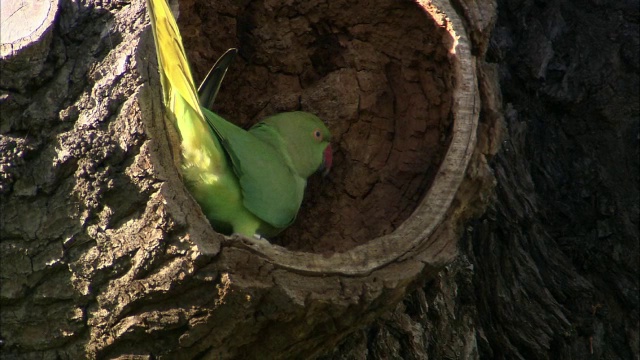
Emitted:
<point x="327" y="160"/>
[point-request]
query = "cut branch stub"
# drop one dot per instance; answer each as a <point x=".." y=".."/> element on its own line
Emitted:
<point x="25" y="36"/>
<point x="397" y="86"/>
<point x="396" y="83"/>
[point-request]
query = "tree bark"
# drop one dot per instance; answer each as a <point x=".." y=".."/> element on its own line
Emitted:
<point x="550" y="270"/>
<point x="105" y="254"/>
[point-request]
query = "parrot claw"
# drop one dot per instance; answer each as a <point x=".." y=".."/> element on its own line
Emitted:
<point x="254" y="237"/>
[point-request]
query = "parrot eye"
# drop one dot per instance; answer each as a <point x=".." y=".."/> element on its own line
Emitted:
<point x="317" y="134"/>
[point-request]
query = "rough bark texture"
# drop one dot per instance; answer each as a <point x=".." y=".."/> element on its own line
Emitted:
<point x="105" y="255"/>
<point x="551" y="270"/>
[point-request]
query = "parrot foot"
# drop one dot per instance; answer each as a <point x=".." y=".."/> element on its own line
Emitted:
<point x="255" y="236"/>
<point x="259" y="237"/>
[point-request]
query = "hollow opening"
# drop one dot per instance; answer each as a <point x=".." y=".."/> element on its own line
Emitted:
<point x="377" y="72"/>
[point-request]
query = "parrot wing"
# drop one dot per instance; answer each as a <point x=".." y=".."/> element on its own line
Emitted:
<point x="210" y="86"/>
<point x="270" y="189"/>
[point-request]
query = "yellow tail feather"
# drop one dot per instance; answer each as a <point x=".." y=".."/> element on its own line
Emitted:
<point x="200" y="148"/>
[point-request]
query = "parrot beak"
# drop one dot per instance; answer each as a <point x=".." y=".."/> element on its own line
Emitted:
<point x="327" y="161"/>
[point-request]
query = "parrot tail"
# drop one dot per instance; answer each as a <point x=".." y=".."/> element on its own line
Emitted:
<point x="210" y="86"/>
<point x="200" y="147"/>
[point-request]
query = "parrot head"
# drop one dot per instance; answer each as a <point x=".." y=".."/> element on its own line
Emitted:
<point x="306" y="140"/>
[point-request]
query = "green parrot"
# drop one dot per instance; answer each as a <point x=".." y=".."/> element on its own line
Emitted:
<point x="247" y="182"/>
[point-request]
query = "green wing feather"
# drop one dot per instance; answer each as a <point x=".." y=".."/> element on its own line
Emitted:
<point x="269" y="187"/>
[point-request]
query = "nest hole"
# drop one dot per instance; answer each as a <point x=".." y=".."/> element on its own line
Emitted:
<point x="377" y="72"/>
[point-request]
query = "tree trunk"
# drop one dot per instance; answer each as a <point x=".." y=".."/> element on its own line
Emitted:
<point x="551" y="269"/>
<point x="105" y="254"/>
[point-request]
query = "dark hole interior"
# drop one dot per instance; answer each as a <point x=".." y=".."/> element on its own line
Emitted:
<point x="377" y="72"/>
